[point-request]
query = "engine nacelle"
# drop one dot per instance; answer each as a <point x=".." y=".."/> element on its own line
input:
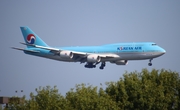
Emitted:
<point x="93" y="58"/>
<point x="66" y="54"/>
<point x="121" y="62"/>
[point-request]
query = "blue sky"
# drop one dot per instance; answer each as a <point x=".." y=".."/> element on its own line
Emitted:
<point x="82" y="23"/>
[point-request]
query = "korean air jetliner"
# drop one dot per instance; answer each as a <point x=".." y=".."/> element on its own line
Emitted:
<point x="118" y="53"/>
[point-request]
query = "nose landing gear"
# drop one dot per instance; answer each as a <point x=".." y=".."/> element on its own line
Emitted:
<point x="150" y="64"/>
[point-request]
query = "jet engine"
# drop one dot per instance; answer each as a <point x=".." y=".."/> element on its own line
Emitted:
<point x="93" y="58"/>
<point x="66" y="54"/>
<point x="121" y="62"/>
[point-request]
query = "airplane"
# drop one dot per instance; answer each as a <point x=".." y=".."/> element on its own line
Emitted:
<point x="117" y="53"/>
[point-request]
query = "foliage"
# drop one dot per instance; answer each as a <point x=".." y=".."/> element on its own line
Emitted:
<point x="87" y="98"/>
<point x="47" y="98"/>
<point x="156" y="90"/>
<point x="1" y="107"/>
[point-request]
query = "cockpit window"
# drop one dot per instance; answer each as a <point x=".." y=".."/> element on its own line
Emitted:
<point x="154" y="44"/>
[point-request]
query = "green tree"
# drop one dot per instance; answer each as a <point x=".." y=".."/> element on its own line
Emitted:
<point x="16" y="103"/>
<point x="146" y="90"/>
<point x="88" y="98"/>
<point x="1" y="107"/>
<point x="47" y="98"/>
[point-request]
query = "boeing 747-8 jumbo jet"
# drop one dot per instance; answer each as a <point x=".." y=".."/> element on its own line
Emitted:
<point x="118" y="53"/>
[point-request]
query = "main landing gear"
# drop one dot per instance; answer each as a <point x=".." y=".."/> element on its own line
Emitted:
<point x="150" y="64"/>
<point x="92" y="65"/>
<point x="103" y="64"/>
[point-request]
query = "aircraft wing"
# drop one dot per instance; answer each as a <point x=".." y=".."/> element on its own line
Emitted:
<point x="80" y="56"/>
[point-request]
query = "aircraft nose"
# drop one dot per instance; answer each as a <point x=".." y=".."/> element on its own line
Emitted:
<point x="163" y="51"/>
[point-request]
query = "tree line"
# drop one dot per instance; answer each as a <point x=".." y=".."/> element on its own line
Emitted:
<point x="145" y="90"/>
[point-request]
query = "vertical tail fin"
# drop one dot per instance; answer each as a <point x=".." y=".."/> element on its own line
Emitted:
<point x="31" y="38"/>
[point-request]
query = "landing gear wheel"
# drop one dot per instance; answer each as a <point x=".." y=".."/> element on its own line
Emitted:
<point x="101" y="67"/>
<point x="149" y="64"/>
<point x="85" y="66"/>
<point x="89" y="65"/>
<point x="103" y="64"/>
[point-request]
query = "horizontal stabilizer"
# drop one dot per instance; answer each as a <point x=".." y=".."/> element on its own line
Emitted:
<point x="42" y="47"/>
<point x="27" y="44"/>
<point x="17" y="48"/>
<point x="33" y="51"/>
